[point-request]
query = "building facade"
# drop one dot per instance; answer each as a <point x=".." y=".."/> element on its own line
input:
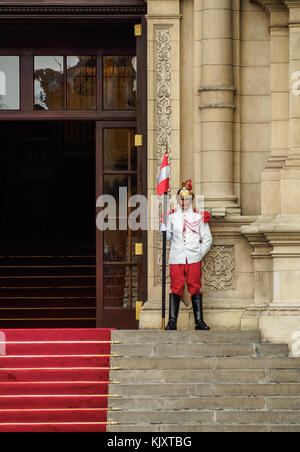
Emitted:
<point x="229" y="94"/>
<point x="215" y="80"/>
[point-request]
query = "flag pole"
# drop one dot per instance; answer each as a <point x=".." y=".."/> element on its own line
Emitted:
<point x="163" y="186"/>
<point x="164" y="262"/>
<point x="164" y="254"/>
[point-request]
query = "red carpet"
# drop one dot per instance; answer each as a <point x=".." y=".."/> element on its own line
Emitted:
<point x="54" y="380"/>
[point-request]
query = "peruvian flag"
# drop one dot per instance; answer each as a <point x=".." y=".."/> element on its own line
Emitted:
<point x="163" y="183"/>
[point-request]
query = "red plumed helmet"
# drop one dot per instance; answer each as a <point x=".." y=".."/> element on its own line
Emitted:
<point x="188" y="185"/>
<point x="186" y="190"/>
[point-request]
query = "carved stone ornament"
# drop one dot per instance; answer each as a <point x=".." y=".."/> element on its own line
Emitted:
<point x="218" y="268"/>
<point x="163" y="119"/>
<point x="163" y="79"/>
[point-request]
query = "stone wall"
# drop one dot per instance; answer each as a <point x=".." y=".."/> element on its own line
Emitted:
<point x="232" y="124"/>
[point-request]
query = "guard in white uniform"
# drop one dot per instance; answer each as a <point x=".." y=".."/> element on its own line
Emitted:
<point x="191" y="239"/>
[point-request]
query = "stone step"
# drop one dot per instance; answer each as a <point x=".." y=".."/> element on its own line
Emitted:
<point x="205" y="417"/>
<point x="162" y="390"/>
<point x="200" y="350"/>
<point x="256" y="390"/>
<point x="186" y="337"/>
<point x="257" y="417"/>
<point x="204" y="428"/>
<point x="162" y="417"/>
<point x="205" y="376"/>
<point x="240" y="363"/>
<point x="216" y="381"/>
<point x="283" y="403"/>
<point x="206" y="390"/>
<point x="190" y="403"/>
<point x="190" y="376"/>
<point x="257" y="363"/>
<point x="283" y="376"/>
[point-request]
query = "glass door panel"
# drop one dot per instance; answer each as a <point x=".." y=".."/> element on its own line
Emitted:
<point x="120" y="286"/>
<point x="116" y="246"/>
<point x="119" y="150"/>
<point x="121" y="266"/>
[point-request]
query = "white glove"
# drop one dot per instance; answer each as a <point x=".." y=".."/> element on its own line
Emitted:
<point x="163" y="228"/>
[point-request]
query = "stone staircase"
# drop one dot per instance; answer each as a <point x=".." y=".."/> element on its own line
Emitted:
<point x="49" y="288"/>
<point x="217" y="381"/>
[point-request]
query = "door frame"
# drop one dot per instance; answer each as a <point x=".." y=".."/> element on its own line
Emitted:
<point x="140" y="124"/>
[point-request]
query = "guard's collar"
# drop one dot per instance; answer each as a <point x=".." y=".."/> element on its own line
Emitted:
<point x="190" y="209"/>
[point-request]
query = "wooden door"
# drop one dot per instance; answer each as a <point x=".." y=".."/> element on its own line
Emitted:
<point x="119" y="268"/>
<point x="122" y="274"/>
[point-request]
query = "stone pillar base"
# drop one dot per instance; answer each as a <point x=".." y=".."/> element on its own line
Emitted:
<point x="151" y="316"/>
<point x="217" y="319"/>
<point x="276" y="307"/>
<point x="277" y="324"/>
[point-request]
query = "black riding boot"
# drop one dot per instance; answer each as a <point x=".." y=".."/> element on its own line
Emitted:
<point x="198" y="312"/>
<point x="174" y="309"/>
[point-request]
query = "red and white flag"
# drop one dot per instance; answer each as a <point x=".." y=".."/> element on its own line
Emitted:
<point x="163" y="183"/>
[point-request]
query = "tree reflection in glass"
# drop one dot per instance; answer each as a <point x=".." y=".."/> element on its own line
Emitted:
<point x="49" y="83"/>
<point x="82" y="87"/>
<point x="119" y="82"/>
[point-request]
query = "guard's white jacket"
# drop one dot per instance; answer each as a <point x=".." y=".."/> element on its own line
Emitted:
<point x="190" y="236"/>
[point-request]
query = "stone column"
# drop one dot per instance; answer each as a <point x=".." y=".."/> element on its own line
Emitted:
<point x="270" y="186"/>
<point x="290" y="175"/>
<point x="270" y="178"/>
<point x="263" y="277"/>
<point x="217" y="105"/>
<point x="280" y="319"/>
<point x="284" y="234"/>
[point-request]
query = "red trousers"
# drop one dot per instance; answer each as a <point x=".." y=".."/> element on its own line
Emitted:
<point x="190" y="272"/>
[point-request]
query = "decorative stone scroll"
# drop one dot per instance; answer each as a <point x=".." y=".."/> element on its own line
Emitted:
<point x="218" y="268"/>
<point x="163" y="79"/>
<point x="163" y="119"/>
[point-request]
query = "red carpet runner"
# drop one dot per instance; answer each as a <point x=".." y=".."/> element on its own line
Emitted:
<point x="54" y="380"/>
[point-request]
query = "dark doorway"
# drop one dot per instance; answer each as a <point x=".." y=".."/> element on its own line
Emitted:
<point x="47" y="180"/>
<point x="47" y="224"/>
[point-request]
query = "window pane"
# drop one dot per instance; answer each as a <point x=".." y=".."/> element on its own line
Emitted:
<point x="119" y="149"/>
<point x="82" y="82"/>
<point x="9" y="83"/>
<point x="135" y="286"/>
<point x="116" y="246"/>
<point x="117" y="286"/>
<point x="134" y="185"/>
<point x="119" y="82"/>
<point x="112" y="185"/>
<point x="49" y="83"/>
